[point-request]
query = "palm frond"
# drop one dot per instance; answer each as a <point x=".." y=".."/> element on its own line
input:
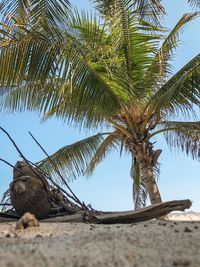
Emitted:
<point x="54" y="70"/>
<point x="89" y="28"/>
<point x="110" y="143"/>
<point x="133" y="42"/>
<point x="194" y="3"/>
<point x="72" y="160"/>
<point x="31" y="11"/>
<point x="24" y="54"/>
<point x="150" y="10"/>
<point x="145" y="9"/>
<point x="179" y="92"/>
<point x="160" y="67"/>
<point x="182" y="135"/>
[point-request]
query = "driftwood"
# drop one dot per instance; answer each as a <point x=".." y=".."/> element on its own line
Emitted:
<point x="97" y="217"/>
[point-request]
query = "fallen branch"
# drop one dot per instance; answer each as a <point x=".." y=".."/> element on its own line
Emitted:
<point x="8" y="217"/>
<point x="145" y="214"/>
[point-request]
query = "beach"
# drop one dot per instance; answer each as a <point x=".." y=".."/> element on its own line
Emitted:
<point x="153" y="243"/>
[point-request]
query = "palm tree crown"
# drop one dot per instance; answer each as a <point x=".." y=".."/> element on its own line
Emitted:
<point x="114" y="70"/>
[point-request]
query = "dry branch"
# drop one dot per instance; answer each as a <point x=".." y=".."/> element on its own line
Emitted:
<point x="58" y="172"/>
<point x="145" y="214"/>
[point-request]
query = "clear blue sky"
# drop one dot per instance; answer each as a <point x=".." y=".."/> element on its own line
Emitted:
<point x="110" y="187"/>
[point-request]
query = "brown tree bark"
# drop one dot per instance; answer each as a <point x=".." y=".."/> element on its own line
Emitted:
<point x="147" y="159"/>
<point x="147" y="175"/>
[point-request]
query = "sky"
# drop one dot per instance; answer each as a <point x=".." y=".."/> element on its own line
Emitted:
<point x="110" y="187"/>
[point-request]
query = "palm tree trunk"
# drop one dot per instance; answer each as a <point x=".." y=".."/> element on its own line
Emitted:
<point x="147" y="176"/>
<point x="147" y="159"/>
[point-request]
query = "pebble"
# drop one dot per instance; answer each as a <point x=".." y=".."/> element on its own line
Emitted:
<point x="187" y="230"/>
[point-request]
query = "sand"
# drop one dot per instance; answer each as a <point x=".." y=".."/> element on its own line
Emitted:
<point x="149" y="244"/>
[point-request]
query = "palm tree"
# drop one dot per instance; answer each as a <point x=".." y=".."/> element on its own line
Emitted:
<point x="114" y="71"/>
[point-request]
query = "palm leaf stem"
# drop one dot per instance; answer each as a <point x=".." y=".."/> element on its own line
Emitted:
<point x="120" y="128"/>
<point x="164" y="130"/>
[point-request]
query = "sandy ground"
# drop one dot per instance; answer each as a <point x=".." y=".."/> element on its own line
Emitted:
<point x="148" y="244"/>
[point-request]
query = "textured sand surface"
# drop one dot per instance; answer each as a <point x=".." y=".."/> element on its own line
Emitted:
<point x="149" y="244"/>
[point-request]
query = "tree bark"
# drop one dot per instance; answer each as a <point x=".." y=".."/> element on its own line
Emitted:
<point x="147" y="175"/>
<point x="147" y="159"/>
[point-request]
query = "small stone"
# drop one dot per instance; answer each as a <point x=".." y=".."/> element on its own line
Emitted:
<point x="8" y="235"/>
<point x="145" y="225"/>
<point x="187" y="230"/>
<point x="26" y="221"/>
<point x="176" y="231"/>
<point x="196" y="227"/>
<point x="181" y="263"/>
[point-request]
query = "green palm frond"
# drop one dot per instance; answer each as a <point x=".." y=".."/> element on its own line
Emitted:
<point x="134" y="41"/>
<point x="160" y="67"/>
<point x="89" y="29"/>
<point x="50" y="101"/>
<point x="18" y="100"/>
<point x="144" y="9"/>
<point x="151" y="10"/>
<point x="55" y="67"/>
<point x="72" y="160"/>
<point x="142" y="48"/>
<point x="182" y="135"/>
<point x="179" y="92"/>
<point x="121" y="17"/>
<point x="130" y="41"/>
<point x="110" y="143"/>
<point x="31" y="11"/>
<point x="125" y="26"/>
<point x="101" y="49"/>
<point x="24" y="54"/>
<point x="58" y="59"/>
